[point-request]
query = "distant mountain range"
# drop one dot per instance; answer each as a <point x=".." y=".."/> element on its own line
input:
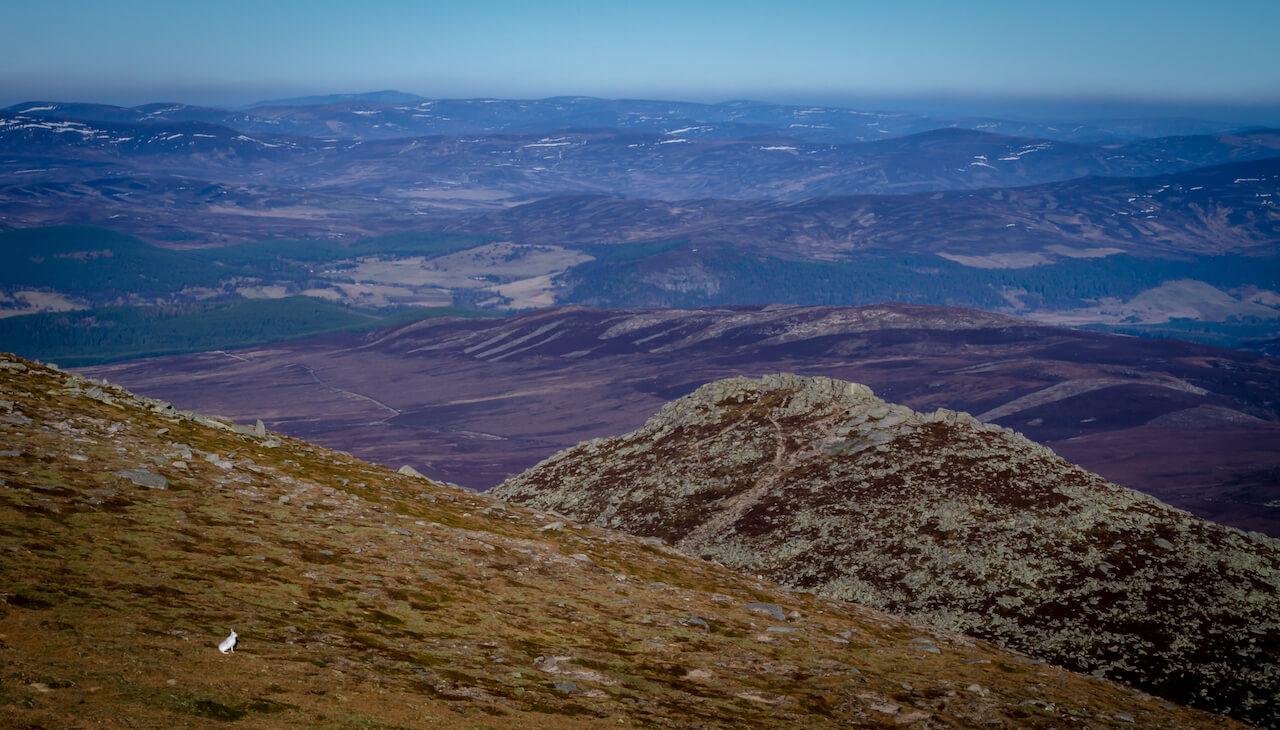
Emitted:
<point x="634" y="203"/>
<point x="673" y="166"/>
<point x="1223" y="209"/>
<point x="393" y="114"/>
<point x="387" y="96"/>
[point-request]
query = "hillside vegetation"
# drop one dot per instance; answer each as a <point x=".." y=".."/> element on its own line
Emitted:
<point x="138" y="536"/>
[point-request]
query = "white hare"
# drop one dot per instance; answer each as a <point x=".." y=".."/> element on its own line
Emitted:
<point x="228" y="644"/>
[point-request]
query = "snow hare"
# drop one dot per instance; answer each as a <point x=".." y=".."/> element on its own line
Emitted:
<point x="229" y="644"/>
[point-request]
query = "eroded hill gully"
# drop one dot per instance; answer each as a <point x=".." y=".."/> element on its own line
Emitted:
<point x="730" y="512"/>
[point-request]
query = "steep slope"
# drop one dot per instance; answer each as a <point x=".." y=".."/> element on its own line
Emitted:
<point x="820" y="485"/>
<point x="136" y="536"/>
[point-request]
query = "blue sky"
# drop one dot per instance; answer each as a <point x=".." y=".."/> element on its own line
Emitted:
<point x="1171" y="55"/>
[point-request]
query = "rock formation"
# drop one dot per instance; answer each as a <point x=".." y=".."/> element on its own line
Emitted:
<point x="966" y="526"/>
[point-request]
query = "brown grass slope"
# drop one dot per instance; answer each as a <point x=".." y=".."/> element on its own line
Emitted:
<point x="819" y="485"/>
<point x="365" y="598"/>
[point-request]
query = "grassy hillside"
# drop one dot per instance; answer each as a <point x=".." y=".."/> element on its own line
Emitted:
<point x="105" y="334"/>
<point x="136" y="538"/>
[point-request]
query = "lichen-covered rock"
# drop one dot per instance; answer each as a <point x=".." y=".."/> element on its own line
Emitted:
<point x="144" y="478"/>
<point x="408" y="471"/>
<point x="820" y="485"/>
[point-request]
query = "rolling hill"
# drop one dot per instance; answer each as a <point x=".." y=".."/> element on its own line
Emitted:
<point x="477" y="401"/>
<point x="393" y="114"/>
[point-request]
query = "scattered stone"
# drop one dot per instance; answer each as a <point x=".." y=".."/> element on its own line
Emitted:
<point x="769" y="609"/>
<point x="560" y="665"/>
<point x="924" y="643"/>
<point x="885" y="708"/>
<point x="698" y="675"/>
<point x="699" y="622"/>
<point x="759" y="697"/>
<point x="218" y="461"/>
<point x="408" y="471"/>
<point x="144" y="478"/>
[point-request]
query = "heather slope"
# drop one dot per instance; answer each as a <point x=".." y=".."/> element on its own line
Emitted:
<point x="136" y="536"/>
<point x="479" y="401"/>
<point x="818" y="484"/>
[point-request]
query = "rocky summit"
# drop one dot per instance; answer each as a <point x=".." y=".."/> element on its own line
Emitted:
<point x="962" y="525"/>
<point x="135" y="537"/>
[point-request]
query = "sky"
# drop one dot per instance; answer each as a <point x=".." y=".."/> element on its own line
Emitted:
<point x="1087" y="57"/>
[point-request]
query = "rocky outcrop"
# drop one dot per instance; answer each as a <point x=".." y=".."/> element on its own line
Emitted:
<point x="967" y="526"/>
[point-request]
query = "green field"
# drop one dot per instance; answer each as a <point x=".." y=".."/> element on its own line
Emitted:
<point x="107" y="334"/>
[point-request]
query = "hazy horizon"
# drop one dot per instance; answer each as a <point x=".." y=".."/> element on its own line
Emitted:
<point x="1086" y="60"/>
<point x="1015" y="108"/>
